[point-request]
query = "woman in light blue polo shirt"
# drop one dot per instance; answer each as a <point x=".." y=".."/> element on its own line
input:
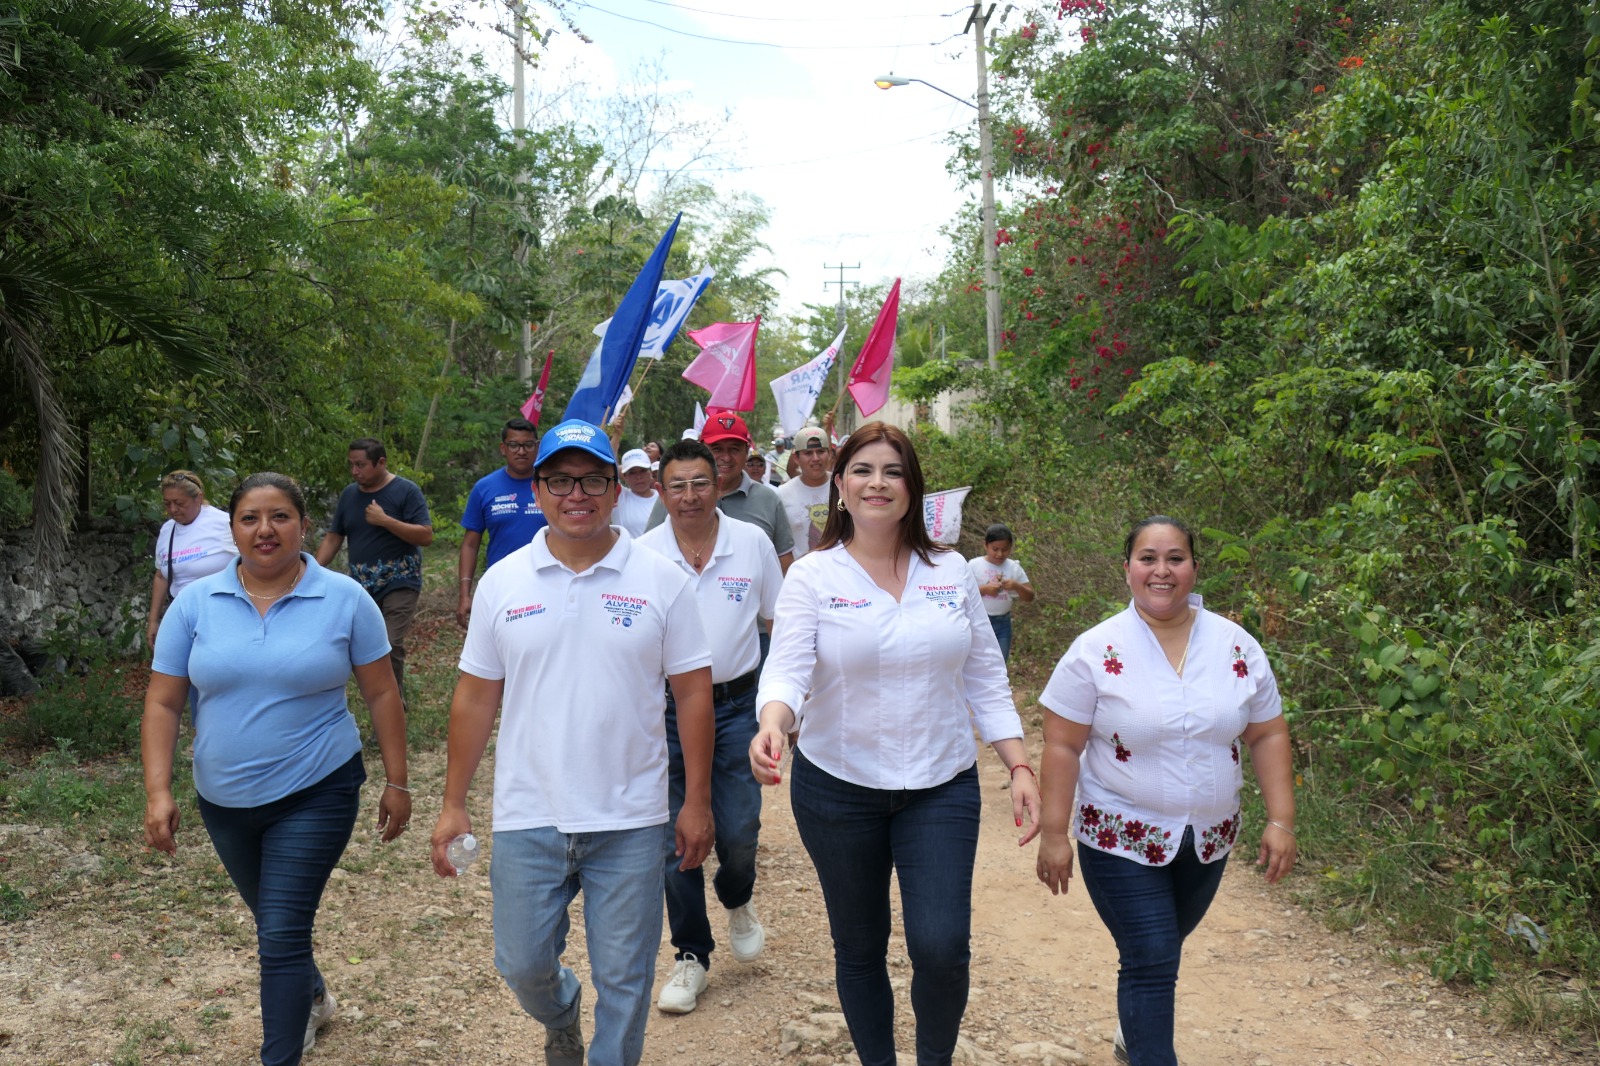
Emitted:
<point x="266" y="647"/>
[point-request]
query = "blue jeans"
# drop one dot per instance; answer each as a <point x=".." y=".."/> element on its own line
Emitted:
<point x="1002" y="633"/>
<point x="736" y="811"/>
<point x="279" y="856"/>
<point x="1149" y="910"/>
<point x="929" y="837"/>
<point x="534" y="874"/>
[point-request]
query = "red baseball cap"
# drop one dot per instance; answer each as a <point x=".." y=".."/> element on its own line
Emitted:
<point x="723" y="425"/>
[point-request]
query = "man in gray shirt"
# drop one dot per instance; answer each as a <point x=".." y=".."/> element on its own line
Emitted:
<point x="738" y="494"/>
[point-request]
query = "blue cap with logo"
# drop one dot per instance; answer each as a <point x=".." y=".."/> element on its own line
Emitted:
<point x="577" y="435"/>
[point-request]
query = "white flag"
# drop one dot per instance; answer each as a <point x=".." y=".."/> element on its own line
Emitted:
<point x="622" y="404"/>
<point x="674" y="300"/>
<point x="941" y="513"/>
<point x="797" y="391"/>
<point x="699" y="423"/>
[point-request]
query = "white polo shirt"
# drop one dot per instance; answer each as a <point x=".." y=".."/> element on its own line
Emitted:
<point x="1163" y="751"/>
<point x="894" y="688"/>
<point x="806" y="507"/>
<point x="740" y="581"/>
<point x="585" y="658"/>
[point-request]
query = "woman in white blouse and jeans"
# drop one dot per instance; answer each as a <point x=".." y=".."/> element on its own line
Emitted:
<point x="883" y="659"/>
<point x="1149" y="709"/>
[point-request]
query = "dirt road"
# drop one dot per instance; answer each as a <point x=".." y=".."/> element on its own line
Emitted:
<point x="161" y="968"/>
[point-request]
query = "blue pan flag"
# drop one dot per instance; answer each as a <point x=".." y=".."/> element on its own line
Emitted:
<point x="601" y="387"/>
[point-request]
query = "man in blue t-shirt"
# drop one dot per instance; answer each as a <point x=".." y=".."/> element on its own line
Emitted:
<point x="386" y="520"/>
<point x="503" y="505"/>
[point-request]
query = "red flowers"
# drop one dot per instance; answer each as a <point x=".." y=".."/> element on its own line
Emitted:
<point x="1239" y="667"/>
<point x="1112" y="663"/>
<point x="1027" y="272"/>
<point x="1351" y="62"/>
<point x="1155" y="853"/>
<point x="1123" y="754"/>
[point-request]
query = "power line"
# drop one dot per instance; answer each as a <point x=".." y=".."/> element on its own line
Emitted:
<point x="771" y="18"/>
<point x="766" y="44"/>
<point x="798" y="162"/>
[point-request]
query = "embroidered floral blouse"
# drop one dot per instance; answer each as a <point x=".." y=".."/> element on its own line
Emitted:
<point x="1163" y="751"/>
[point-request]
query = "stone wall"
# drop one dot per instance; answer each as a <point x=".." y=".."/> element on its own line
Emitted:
<point x="107" y="567"/>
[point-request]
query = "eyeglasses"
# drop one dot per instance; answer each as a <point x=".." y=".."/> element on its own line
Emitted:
<point x="592" y="484"/>
<point x="698" y="487"/>
<point x="519" y="445"/>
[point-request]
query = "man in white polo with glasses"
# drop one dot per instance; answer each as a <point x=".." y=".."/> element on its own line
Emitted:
<point x="735" y="574"/>
<point x="579" y="635"/>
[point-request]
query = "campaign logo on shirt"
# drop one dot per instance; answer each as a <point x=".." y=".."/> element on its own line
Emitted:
<point x="736" y="588"/>
<point x="942" y="596"/>
<point x="505" y="503"/>
<point x="837" y="602"/>
<point x="622" y="609"/>
<point x="517" y="613"/>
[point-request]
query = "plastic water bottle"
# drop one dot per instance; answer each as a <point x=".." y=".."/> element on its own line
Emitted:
<point x="462" y="852"/>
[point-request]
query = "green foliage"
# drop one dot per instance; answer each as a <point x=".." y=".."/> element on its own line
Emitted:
<point x="81" y="709"/>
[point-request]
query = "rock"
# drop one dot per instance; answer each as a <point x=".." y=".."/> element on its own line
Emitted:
<point x="969" y="1054"/>
<point x="1045" y="1053"/>
<point x="816" y="1031"/>
<point x="436" y="911"/>
<point x="82" y="863"/>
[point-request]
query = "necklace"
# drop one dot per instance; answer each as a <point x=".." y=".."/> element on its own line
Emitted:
<point x="1187" y="640"/>
<point x="275" y="596"/>
<point x="697" y="553"/>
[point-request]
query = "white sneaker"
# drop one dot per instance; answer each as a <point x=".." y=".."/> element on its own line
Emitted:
<point x="321" y="1014"/>
<point x="688" y="980"/>
<point x="745" y="936"/>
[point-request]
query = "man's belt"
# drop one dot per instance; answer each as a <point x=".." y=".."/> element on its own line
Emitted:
<point x="727" y="690"/>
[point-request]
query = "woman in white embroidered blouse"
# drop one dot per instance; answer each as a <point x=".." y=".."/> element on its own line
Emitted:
<point x="884" y="660"/>
<point x="1149" y="709"/>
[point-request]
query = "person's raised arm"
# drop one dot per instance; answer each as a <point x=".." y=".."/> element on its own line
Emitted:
<point x="1064" y="742"/>
<point x="382" y="696"/>
<point x="466" y="566"/>
<point x="164" y="700"/>
<point x="697" y="727"/>
<point x="1273" y="761"/>
<point x="472" y="713"/>
<point x="414" y="533"/>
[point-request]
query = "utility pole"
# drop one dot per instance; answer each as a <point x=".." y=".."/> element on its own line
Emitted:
<point x="519" y="120"/>
<point x="838" y="362"/>
<point x="978" y="22"/>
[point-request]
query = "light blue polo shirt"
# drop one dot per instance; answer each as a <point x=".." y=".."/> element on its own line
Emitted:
<point x="270" y="716"/>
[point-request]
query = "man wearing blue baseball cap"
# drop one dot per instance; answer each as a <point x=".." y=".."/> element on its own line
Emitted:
<point x="578" y="635"/>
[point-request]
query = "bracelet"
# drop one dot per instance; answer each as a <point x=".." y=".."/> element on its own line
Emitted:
<point x="1023" y="766"/>
<point x="397" y="788"/>
<point x="1280" y="825"/>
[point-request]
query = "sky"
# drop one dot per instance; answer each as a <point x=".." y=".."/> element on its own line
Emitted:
<point x="852" y="174"/>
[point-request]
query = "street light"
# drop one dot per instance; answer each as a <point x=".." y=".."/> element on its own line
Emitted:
<point x="991" y="231"/>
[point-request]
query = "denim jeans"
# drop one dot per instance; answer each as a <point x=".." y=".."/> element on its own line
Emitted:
<point x="279" y="856"/>
<point x="1002" y="633"/>
<point x="1149" y="910"/>
<point x="534" y="874"/>
<point x="929" y="837"/>
<point x="736" y="811"/>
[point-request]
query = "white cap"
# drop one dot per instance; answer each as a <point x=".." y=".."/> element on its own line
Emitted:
<point x="691" y="434"/>
<point x="635" y="459"/>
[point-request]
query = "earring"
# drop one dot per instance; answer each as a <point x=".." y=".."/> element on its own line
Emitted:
<point x="841" y="507"/>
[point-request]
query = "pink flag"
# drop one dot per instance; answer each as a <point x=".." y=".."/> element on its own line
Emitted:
<point x="726" y="365"/>
<point x="869" y="378"/>
<point x="535" y="403"/>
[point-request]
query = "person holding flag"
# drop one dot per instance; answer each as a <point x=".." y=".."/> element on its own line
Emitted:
<point x="502" y="504"/>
